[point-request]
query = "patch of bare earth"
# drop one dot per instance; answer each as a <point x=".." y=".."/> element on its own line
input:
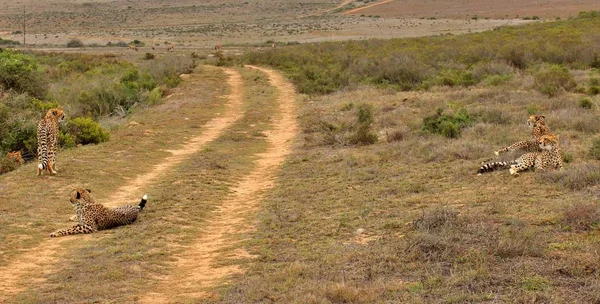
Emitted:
<point x="197" y="270"/>
<point x="38" y="261"/>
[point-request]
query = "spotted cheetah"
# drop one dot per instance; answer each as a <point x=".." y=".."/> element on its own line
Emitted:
<point x="93" y="216"/>
<point x="47" y="140"/>
<point x="539" y="128"/>
<point x="549" y="159"/>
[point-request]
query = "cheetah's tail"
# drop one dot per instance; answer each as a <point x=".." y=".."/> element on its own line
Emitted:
<point x="143" y="202"/>
<point x="489" y="167"/>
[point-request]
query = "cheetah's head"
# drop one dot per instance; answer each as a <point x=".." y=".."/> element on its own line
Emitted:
<point x="549" y="142"/>
<point x="535" y="119"/>
<point x="56" y="113"/>
<point x="81" y="196"/>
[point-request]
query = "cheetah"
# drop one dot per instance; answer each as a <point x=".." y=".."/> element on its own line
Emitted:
<point x="539" y="128"/>
<point x="549" y="159"/>
<point x="93" y="216"/>
<point x="47" y="140"/>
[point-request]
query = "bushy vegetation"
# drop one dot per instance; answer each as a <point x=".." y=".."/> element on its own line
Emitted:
<point x="448" y="125"/>
<point x="8" y="42"/>
<point x="84" y="130"/>
<point x="87" y="87"/>
<point x="550" y="80"/>
<point x="417" y="63"/>
<point x="75" y="43"/>
<point x="21" y="73"/>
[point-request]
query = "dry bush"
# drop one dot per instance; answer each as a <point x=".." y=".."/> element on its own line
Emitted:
<point x="582" y="216"/>
<point x="576" y="119"/>
<point x="481" y="70"/>
<point x="396" y="135"/>
<point x="10" y="162"/>
<point x="436" y="219"/>
<point x="578" y="176"/>
<point x="551" y="79"/>
<point x="519" y="240"/>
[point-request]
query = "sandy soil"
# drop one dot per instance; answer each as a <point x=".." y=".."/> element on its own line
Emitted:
<point x="495" y="9"/>
<point x="196" y="270"/>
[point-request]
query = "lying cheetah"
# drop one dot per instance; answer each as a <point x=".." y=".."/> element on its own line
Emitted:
<point x="93" y="216"/>
<point x="550" y="158"/>
<point x="539" y="128"/>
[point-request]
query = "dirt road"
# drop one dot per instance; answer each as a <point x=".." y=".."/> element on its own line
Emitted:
<point x="196" y="269"/>
<point x="37" y="262"/>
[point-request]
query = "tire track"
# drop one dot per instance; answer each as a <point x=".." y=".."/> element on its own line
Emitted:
<point x="196" y="269"/>
<point x="38" y="262"/>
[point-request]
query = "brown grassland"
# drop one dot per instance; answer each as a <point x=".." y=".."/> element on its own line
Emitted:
<point x="378" y="202"/>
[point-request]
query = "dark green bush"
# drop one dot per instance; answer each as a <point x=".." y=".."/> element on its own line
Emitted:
<point x="448" y="125"/>
<point x="86" y="131"/>
<point x="20" y="72"/>
<point x="8" y="42"/>
<point x="593" y="90"/>
<point x="363" y="134"/>
<point x="595" y="149"/>
<point x="585" y="102"/>
<point x="75" y="43"/>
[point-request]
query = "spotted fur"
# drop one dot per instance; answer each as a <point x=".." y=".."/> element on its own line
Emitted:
<point x="16" y="157"/>
<point x="93" y="216"/>
<point x="539" y="128"/>
<point x="549" y="159"/>
<point x="47" y="140"/>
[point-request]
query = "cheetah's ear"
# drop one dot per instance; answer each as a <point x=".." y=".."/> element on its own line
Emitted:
<point x="54" y="112"/>
<point x="89" y="191"/>
<point x="78" y="195"/>
<point x="543" y="117"/>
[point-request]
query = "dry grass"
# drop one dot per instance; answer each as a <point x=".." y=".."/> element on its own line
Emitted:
<point x="178" y="203"/>
<point x="433" y="231"/>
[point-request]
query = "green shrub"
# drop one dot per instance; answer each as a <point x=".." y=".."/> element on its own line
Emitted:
<point x="155" y="96"/>
<point x="20" y="72"/>
<point x="585" y="102"/>
<point x="75" y="43"/>
<point x="363" y="134"/>
<point x="533" y="109"/>
<point x="8" y="42"/>
<point x="66" y="140"/>
<point x="446" y="124"/>
<point x="593" y="90"/>
<point x="496" y="80"/>
<point x="137" y="43"/>
<point x="455" y="78"/>
<point x="86" y="131"/>
<point x="595" y="149"/>
<point x="550" y="80"/>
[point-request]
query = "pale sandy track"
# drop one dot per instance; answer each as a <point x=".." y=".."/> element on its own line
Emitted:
<point x="196" y="269"/>
<point x="366" y="6"/>
<point x="134" y="189"/>
<point x="39" y="260"/>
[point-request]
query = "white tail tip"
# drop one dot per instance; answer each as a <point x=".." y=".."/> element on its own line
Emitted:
<point x="145" y="197"/>
<point x="40" y="166"/>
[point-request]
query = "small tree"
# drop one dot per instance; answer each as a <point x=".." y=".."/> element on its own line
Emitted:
<point x="75" y="43"/>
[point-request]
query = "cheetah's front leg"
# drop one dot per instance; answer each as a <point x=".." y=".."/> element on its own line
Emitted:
<point x="77" y="229"/>
<point x="527" y="145"/>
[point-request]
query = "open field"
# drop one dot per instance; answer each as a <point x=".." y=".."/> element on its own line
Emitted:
<point x="465" y="9"/>
<point x="206" y="23"/>
<point x="353" y="180"/>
